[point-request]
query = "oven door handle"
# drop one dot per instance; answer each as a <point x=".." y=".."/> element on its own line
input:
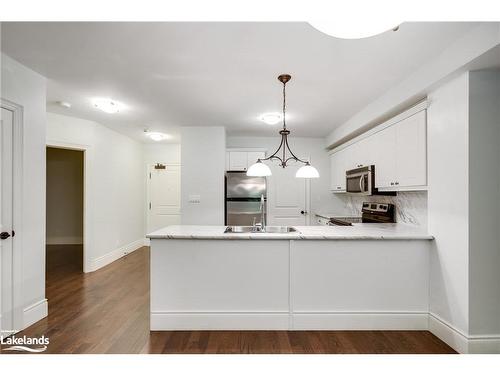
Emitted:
<point x="362" y="184"/>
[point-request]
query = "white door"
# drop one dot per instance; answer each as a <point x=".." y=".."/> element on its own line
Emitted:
<point x="164" y="189"/>
<point x="287" y="203"/>
<point x="6" y="212"/>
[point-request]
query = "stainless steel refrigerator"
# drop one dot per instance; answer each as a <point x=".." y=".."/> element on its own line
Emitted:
<point x="243" y="196"/>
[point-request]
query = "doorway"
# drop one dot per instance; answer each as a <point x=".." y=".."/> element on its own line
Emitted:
<point x="64" y="211"/>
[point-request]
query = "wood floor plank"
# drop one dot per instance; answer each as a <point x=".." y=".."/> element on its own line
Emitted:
<point x="107" y="311"/>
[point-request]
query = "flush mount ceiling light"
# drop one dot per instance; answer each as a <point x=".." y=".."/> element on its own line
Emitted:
<point x="108" y="105"/>
<point x="156" y="136"/>
<point x="64" y="104"/>
<point x="351" y="30"/>
<point x="260" y="169"/>
<point x="271" y="118"/>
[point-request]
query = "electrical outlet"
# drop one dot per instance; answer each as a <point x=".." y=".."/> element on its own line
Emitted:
<point x="194" y="199"/>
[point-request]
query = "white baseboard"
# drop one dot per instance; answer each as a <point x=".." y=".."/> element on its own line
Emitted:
<point x="171" y="321"/>
<point x="116" y="254"/>
<point x="166" y="321"/>
<point x="459" y="341"/>
<point x="34" y="313"/>
<point x="64" y="240"/>
<point x="360" y="321"/>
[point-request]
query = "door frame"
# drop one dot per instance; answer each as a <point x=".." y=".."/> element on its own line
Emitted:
<point x="148" y="191"/>
<point x="87" y="161"/>
<point x="17" y="202"/>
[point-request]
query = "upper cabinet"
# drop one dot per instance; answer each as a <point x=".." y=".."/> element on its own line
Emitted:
<point x="398" y="151"/>
<point x="241" y="160"/>
<point x="337" y="171"/>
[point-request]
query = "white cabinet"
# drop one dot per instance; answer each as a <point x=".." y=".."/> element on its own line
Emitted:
<point x="242" y="160"/>
<point x="337" y="170"/>
<point x="385" y="158"/>
<point x="398" y="151"/>
<point x="402" y="160"/>
<point x="252" y="157"/>
<point x="238" y="161"/>
<point x="411" y="151"/>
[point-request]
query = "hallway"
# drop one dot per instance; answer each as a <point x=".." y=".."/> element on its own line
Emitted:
<point x="107" y="311"/>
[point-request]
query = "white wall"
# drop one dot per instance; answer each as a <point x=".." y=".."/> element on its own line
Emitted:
<point x="203" y="153"/>
<point x="314" y="148"/>
<point x="167" y="153"/>
<point x="64" y="218"/>
<point x="448" y="181"/>
<point x="484" y="202"/>
<point x="27" y="88"/>
<point x="114" y="187"/>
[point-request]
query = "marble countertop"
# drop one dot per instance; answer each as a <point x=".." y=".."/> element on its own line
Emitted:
<point x="358" y="231"/>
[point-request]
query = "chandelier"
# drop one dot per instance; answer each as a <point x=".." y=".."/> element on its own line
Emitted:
<point x="283" y="154"/>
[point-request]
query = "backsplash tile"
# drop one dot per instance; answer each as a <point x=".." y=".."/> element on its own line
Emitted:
<point x="411" y="206"/>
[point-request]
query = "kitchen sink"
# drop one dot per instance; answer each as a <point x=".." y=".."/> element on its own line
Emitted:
<point x="268" y="229"/>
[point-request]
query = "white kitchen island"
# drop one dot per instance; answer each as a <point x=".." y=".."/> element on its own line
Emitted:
<point x="368" y="276"/>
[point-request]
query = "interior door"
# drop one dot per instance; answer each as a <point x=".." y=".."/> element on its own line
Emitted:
<point x="6" y="211"/>
<point x="287" y="204"/>
<point x="164" y="197"/>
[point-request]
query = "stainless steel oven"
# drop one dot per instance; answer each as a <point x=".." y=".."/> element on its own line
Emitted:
<point x="361" y="181"/>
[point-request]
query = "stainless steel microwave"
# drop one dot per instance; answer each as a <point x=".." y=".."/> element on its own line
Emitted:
<point x="361" y="181"/>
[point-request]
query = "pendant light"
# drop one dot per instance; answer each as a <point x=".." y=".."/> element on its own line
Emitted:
<point x="260" y="169"/>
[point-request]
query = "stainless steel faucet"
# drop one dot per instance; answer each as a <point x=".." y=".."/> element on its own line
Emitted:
<point x="263" y="212"/>
<point x="260" y="227"/>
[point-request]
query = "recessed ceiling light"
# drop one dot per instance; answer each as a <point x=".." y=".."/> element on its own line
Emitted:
<point x="108" y="105"/>
<point x="64" y="104"/>
<point x="156" y="136"/>
<point x="271" y="118"/>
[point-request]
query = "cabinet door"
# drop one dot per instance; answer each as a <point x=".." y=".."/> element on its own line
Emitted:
<point x="238" y="160"/>
<point x="363" y="152"/>
<point x="337" y="171"/>
<point x="385" y="158"/>
<point x="351" y="158"/>
<point x="411" y="150"/>
<point x="252" y="157"/>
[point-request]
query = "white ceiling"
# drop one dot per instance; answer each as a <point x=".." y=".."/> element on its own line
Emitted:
<point x="219" y="74"/>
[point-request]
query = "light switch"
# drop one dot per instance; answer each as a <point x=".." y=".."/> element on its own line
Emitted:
<point x="194" y="199"/>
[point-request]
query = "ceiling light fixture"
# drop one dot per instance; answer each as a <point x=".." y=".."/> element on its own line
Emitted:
<point x="271" y="118"/>
<point x="349" y="30"/>
<point x="108" y="105"/>
<point x="260" y="169"/>
<point x="64" y="104"/>
<point x="156" y="136"/>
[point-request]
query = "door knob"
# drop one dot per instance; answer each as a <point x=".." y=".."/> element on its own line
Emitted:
<point x="303" y="212"/>
<point x="4" y="235"/>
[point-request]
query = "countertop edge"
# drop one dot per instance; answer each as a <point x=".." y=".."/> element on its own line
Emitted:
<point x="289" y="238"/>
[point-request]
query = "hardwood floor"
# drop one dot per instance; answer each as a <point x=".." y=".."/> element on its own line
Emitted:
<point x="107" y="311"/>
